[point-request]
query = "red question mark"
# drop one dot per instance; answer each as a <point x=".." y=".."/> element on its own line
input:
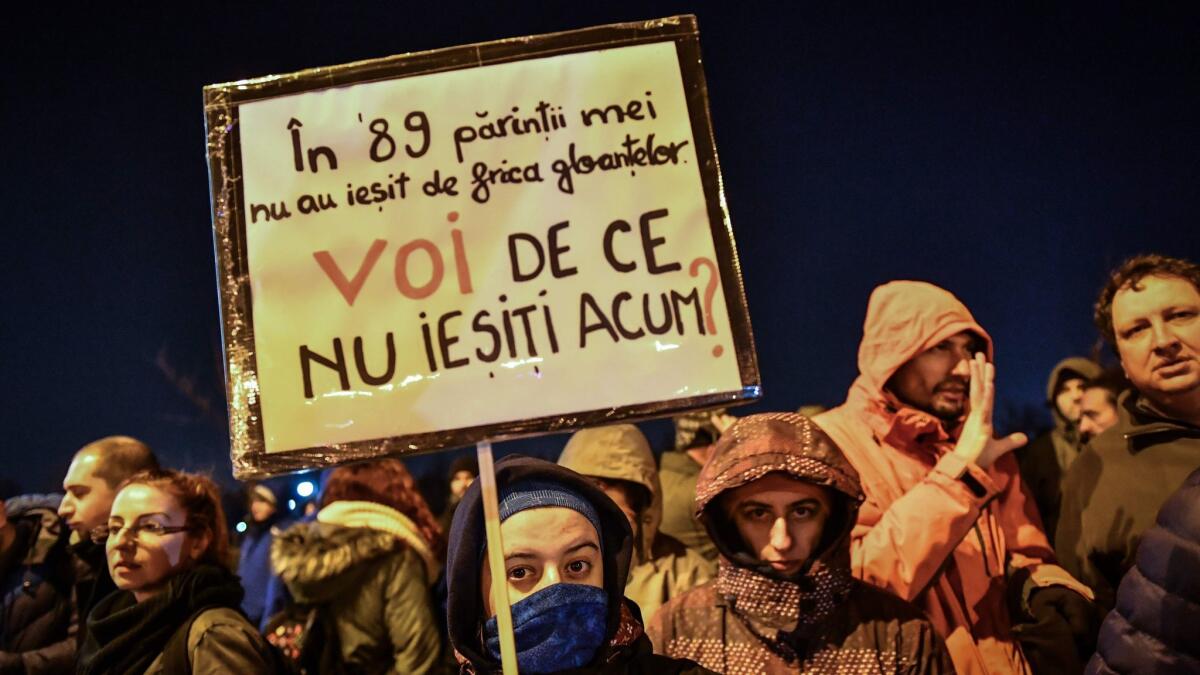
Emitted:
<point x="709" y="291"/>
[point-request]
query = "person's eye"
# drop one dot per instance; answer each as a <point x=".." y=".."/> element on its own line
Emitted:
<point x="579" y="567"/>
<point x="79" y="492"/>
<point x="1181" y="314"/>
<point x="1132" y="331"/>
<point x="756" y="513"/>
<point x="941" y="347"/>
<point x="805" y="511"/>
<point x="152" y="528"/>
<point x="519" y="573"/>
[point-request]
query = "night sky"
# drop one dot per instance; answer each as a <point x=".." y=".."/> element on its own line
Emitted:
<point x="1011" y="155"/>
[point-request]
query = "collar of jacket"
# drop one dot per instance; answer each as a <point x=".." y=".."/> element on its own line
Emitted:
<point x="1143" y="420"/>
<point x="385" y="519"/>
<point x="901" y="426"/>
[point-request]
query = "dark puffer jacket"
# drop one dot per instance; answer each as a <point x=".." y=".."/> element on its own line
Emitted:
<point x="752" y="619"/>
<point x="628" y="650"/>
<point x="36" y="615"/>
<point x="1154" y="626"/>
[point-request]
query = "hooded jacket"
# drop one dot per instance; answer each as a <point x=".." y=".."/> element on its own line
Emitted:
<point x="662" y="566"/>
<point x="1153" y="628"/>
<point x="367" y="564"/>
<point x="254" y="565"/>
<point x="627" y="649"/>
<point x="37" y="632"/>
<point x="751" y="619"/>
<point x="925" y="533"/>
<point x="1045" y="461"/>
<point x="1114" y="490"/>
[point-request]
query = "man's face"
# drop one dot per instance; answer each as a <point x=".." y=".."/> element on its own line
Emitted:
<point x="1097" y="412"/>
<point x="88" y="498"/>
<point x="621" y="497"/>
<point x="1158" y="335"/>
<point x="261" y="510"/>
<point x="543" y="547"/>
<point x="936" y="379"/>
<point x="780" y="519"/>
<point x="460" y="482"/>
<point x="1067" y="398"/>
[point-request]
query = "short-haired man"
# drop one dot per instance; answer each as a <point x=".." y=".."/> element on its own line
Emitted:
<point x="945" y="523"/>
<point x="1098" y="407"/>
<point x="91" y="483"/>
<point x="1150" y="311"/>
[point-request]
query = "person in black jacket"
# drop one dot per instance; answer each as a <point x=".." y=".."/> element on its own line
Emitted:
<point x="35" y="588"/>
<point x="567" y="549"/>
<point x="1153" y="628"/>
<point x="91" y="484"/>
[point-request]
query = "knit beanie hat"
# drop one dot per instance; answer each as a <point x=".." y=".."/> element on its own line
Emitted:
<point x="533" y="494"/>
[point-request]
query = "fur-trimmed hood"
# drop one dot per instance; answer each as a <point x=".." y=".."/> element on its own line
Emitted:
<point x="320" y="560"/>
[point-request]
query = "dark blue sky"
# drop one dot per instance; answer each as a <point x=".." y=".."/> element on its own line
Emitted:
<point x="1009" y="154"/>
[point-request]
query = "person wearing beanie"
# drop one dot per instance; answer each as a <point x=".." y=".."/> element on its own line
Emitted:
<point x="254" y="559"/>
<point x="619" y="460"/>
<point x="567" y="550"/>
<point x="1045" y="461"/>
<point x="780" y="501"/>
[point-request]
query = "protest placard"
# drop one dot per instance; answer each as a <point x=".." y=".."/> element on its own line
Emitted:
<point x="502" y="239"/>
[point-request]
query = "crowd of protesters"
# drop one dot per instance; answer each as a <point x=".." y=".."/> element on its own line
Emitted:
<point x="893" y="533"/>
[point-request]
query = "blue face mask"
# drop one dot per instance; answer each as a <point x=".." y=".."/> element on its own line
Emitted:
<point x="557" y="628"/>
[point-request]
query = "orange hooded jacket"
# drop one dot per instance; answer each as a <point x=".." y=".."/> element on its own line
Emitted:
<point x="923" y="533"/>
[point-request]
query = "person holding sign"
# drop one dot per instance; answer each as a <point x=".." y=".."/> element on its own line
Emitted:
<point x="619" y="460"/>
<point x="947" y="524"/>
<point x="780" y="500"/>
<point x="567" y="550"/>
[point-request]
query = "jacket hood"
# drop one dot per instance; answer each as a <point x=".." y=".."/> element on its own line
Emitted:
<point x="464" y="602"/>
<point x="785" y="443"/>
<point x="905" y="318"/>
<point x="1076" y="366"/>
<point x="319" y="561"/>
<point x="619" y="452"/>
<point x="41" y="512"/>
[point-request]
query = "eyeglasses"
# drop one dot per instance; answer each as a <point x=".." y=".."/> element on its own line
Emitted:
<point x="102" y="533"/>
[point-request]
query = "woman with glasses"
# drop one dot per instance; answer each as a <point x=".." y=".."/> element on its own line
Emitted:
<point x="176" y="608"/>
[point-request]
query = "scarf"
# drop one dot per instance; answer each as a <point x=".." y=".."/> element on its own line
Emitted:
<point x="785" y="615"/>
<point x="351" y="513"/>
<point x="125" y="636"/>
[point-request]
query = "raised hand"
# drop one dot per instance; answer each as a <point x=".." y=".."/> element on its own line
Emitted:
<point x="976" y="443"/>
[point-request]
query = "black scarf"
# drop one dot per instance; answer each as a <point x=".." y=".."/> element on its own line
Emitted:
<point x="125" y="636"/>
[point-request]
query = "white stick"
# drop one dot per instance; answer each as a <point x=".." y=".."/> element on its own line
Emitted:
<point x="491" y="520"/>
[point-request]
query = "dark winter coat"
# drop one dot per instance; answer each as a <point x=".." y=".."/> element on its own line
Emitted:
<point x="36" y="630"/>
<point x="628" y="650"/>
<point x="127" y="637"/>
<point x="752" y="619"/>
<point x="374" y="583"/>
<point x="1154" y="626"/>
<point x="1115" y="489"/>
<point x="254" y="567"/>
<point x="1045" y="461"/>
<point x="92" y="582"/>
